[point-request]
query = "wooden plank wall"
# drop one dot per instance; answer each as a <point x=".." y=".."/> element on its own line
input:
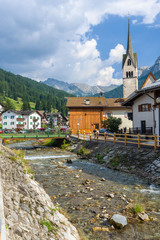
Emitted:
<point x="89" y="117"/>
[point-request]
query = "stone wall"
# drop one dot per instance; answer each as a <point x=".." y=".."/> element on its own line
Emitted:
<point x="29" y="211"/>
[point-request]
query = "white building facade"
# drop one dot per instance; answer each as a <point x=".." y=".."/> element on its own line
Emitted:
<point x="12" y="119"/>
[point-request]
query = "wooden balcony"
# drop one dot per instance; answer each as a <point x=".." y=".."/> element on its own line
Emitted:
<point x="20" y="125"/>
<point x="20" y="119"/>
<point x="35" y="120"/>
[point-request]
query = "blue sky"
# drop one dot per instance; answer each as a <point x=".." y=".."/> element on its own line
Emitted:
<point x="78" y="41"/>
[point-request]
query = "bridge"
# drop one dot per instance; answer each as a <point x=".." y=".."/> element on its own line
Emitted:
<point x="32" y="136"/>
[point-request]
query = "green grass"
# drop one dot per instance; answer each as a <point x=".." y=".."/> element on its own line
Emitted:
<point x="49" y="225"/>
<point x="18" y="104"/>
<point x="137" y="208"/>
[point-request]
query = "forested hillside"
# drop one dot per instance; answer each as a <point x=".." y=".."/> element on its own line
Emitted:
<point x="44" y="97"/>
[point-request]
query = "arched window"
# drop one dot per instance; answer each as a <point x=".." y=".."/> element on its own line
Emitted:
<point x="126" y="74"/>
<point x="129" y="74"/>
<point x="132" y="74"/>
<point x="129" y="62"/>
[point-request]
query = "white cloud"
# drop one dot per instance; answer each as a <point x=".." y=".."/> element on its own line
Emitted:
<point x="115" y="55"/>
<point x="106" y="77"/>
<point x="42" y="39"/>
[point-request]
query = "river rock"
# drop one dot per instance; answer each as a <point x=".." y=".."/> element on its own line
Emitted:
<point x="119" y="221"/>
<point x="143" y="216"/>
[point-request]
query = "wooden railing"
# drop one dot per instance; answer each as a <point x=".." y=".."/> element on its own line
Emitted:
<point x="124" y="138"/>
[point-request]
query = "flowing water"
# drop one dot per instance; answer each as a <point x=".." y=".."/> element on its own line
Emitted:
<point x="80" y="191"/>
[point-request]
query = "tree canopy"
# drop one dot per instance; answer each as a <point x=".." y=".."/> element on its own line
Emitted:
<point x="112" y="123"/>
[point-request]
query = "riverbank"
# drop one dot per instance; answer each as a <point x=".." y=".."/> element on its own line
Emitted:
<point x="143" y="163"/>
<point x="29" y="212"/>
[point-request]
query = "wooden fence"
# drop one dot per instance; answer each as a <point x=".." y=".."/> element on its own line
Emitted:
<point x="124" y="138"/>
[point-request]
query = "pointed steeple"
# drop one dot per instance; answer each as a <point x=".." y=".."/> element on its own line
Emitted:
<point x="129" y="43"/>
<point x="129" y="51"/>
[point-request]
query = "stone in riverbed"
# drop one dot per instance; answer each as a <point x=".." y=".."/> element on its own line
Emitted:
<point x="119" y="221"/>
<point x="143" y="216"/>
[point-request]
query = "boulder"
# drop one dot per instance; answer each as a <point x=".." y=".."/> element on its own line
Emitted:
<point x="119" y="221"/>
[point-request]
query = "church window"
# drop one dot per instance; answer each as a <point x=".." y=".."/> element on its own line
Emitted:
<point x="126" y="74"/>
<point x="129" y="62"/>
<point x="132" y="74"/>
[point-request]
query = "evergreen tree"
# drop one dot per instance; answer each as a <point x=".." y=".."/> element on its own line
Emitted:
<point x="38" y="105"/>
<point x="9" y="104"/>
<point x="26" y="106"/>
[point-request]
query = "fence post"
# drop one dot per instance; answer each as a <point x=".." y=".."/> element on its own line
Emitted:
<point x="84" y="135"/>
<point x="97" y="136"/>
<point x="105" y="137"/>
<point x="114" y="137"/>
<point x="90" y="136"/>
<point x="139" y="140"/>
<point x="155" y="142"/>
<point x="125" y="139"/>
<point x="78" y="133"/>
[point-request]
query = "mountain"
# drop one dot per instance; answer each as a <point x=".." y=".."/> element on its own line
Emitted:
<point x="78" y="89"/>
<point x="45" y="97"/>
<point x="143" y="71"/>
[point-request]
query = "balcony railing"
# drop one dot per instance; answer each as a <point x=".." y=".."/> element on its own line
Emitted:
<point x="20" y="119"/>
<point x="35" y="120"/>
<point x="20" y="125"/>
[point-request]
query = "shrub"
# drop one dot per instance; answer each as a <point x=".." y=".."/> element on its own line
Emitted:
<point x="83" y="151"/>
<point x="65" y="145"/>
<point x="112" y="124"/>
<point x="100" y="157"/>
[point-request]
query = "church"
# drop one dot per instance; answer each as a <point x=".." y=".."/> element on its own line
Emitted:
<point x="88" y="113"/>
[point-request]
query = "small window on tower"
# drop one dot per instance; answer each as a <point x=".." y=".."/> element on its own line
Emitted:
<point x="129" y="62"/>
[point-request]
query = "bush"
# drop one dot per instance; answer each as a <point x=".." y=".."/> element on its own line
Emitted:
<point x="112" y="124"/>
<point x="100" y="158"/>
<point x="83" y="151"/>
<point x="65" y="145"/>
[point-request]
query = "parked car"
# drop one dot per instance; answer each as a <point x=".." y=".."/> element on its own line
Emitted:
<point x="104" y="130"/>
<point x="1" y="131"/>
<point x="6" y="131"/>
<point x="22" y="131"/>
<point x="13" y="131"/>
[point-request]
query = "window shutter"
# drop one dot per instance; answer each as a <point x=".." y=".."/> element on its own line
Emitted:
<point x="139" y="108"/>
<point x="149" y="107"/>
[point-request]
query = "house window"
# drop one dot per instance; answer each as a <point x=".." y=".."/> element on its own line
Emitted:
<point x="37" y="117"/>
<point x="5" y="117"/>
<point x="19" y="116"/>
<point x="5" y="123"/>
<point x="129" y="62"/>
<point x="30" y="117"/>
<point x="144" y="107"/>
<point x="31" y="123"/>
<point x="12" y="117"/>
<point x="126" y="74"/>
<point x="12" y="123"/>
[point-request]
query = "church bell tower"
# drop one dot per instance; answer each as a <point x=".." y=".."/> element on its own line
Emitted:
<point x="129" y="68"/>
